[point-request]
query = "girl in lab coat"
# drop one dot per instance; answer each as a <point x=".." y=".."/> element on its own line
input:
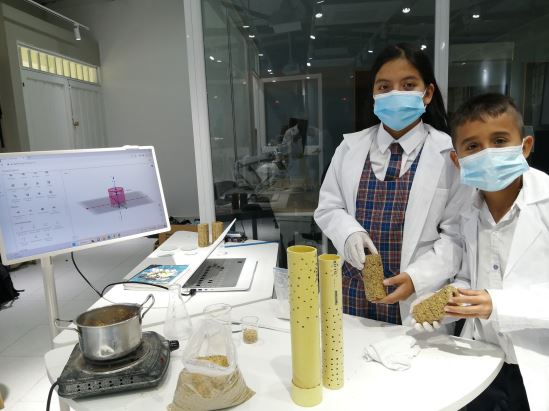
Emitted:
<point x="505" y="276"/>
<point x="393" y="189"/>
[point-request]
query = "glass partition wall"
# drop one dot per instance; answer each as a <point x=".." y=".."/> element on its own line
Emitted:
<point x="286" y="79"/>
<point x="501" y="46"/>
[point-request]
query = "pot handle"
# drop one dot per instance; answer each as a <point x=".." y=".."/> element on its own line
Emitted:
<point x="60" y="327"/>
<point x="149" y="297"/>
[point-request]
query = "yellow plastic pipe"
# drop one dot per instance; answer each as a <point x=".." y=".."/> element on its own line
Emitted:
<point x="304" y="325"/>
<point x="331" y="311"/>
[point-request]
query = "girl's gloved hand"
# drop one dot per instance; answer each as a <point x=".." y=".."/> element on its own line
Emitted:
<point x="354" y="248"/>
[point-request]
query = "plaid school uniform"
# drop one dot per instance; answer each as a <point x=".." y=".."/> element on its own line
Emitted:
<point x="380" y="208"/>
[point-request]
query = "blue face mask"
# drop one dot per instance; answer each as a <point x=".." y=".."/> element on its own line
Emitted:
<point x="398" y="109"/>
<point x="493" y="169"/>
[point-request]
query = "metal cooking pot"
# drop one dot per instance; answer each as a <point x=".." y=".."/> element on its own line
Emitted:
<point x="109" y="332"/>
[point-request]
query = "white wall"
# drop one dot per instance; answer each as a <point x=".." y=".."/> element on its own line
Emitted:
<point x="145" y="84"/>
<point x="20" y="22"/>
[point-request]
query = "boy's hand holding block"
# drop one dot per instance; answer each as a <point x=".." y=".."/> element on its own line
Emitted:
<point x="372" y="275"/>
<point x="432" y="308"/>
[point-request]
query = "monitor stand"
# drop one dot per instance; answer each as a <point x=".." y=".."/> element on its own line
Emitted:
<point x="51" y="295"/>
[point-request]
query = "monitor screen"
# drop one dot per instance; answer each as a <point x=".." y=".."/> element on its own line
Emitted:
<point x="53" y="202"/>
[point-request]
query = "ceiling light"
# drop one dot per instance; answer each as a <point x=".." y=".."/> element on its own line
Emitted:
<point x="318" y="15"/>
<point x="251" y="36"/>
<point x="476" y="16"/>
<point x="308" y="78"/>
<point x="245" y="26"/>
<point x="308" y="64"/>
<point x="260" y="54"/>
<point x="310" y="58"/>
<point x="406" y="10"/>
<point x="212" y="58"/>
<point x="312" y="37"/>
<point x="77" y="32"/>
<point x="76" y="26"/>
<point x="370" y="51"/>
<point x="423" y="46"/>
<point x="320" y="2"/>
<point x="219" y="61"/>
<point x="274" y="81"/>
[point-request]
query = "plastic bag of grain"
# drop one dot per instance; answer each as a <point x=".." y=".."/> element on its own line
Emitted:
<point x="210" y="379"/>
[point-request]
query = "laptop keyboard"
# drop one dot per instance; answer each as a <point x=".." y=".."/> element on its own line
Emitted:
<point x="217" y="273"/>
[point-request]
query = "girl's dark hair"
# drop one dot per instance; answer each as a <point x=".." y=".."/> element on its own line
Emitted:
<point x="435" y="113"/>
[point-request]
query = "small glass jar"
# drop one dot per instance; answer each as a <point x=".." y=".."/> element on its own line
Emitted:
<point x="249" y="325"/>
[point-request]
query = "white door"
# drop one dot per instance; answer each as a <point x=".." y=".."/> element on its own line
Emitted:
<point x="48" y="110"/>
<point x="87" y="115"/>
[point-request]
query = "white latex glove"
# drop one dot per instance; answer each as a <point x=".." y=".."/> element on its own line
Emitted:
<point x="425" y="326"/>
<point x="354" y="248"/>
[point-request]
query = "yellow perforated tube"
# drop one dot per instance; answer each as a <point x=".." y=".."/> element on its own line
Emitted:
<point x="304" y="325"/>
<point x="331" y="311"/>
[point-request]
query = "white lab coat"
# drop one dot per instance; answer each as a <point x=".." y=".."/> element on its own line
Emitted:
<point x="431" y="249"/>
<point x="521" y="308"/>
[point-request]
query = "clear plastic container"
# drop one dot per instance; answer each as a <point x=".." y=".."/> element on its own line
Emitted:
<point x="281" y="286"/>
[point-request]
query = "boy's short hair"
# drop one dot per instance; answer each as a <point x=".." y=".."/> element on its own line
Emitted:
<point x="490" y="105"/>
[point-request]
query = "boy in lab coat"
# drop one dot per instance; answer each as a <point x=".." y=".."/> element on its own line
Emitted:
<point x="504" y="280"/>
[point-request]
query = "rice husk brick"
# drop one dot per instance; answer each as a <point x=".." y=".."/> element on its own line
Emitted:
<point x="372" y="275"/>
<point x="432" y="309"/>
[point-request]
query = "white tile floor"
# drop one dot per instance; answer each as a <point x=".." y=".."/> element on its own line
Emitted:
<point x="24" y="335"/>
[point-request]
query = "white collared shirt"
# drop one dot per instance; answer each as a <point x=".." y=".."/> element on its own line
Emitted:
<point x="411" y="143"/>
<point x="494" y="244"/>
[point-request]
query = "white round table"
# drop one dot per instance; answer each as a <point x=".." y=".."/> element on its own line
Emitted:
<point x="447" y="373"/>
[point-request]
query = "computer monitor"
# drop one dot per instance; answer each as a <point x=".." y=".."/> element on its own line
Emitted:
<point x="53" y="202"/>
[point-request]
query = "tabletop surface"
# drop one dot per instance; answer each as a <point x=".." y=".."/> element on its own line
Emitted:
<point x="446" y="374"/>
<point x="261" y="288"/>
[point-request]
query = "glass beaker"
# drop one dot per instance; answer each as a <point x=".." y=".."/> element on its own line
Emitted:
<point x="178" y="324"/>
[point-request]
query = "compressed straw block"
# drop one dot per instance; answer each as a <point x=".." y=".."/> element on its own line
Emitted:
<point x="217" y="230"/>
<point x="432" y="309"/>
<point x="304" y="325"/>
<point x="372" y="275"/>
<point x="331" y="314"/>
<point x="203" y="235"/>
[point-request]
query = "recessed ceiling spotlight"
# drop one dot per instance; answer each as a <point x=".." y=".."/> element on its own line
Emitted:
<point x="312" y="37"/>
<point x="318" y="15"/>
<point x="406" y="10"/>
<point x="423" y="47"/>
<point x="251" y="36"/>
<point x="308" y="64"/>
<point x="260" y="54"/>
<point x="212" y="58"/>
<point x="370" y="51"/>
<point x="245" y="26"/>
<point x="476" y="16"/>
